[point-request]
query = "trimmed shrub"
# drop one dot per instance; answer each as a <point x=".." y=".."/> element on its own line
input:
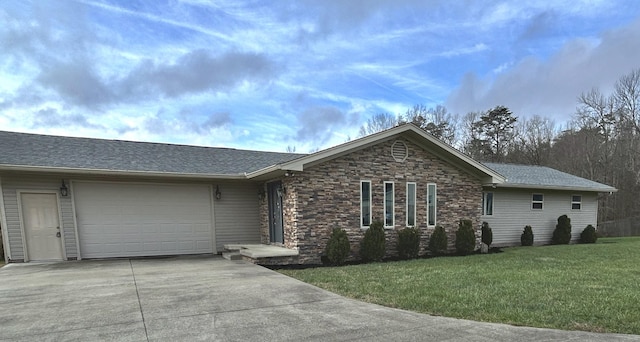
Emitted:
<point x="438" y="241"/>
<point x="562" y="233"/>
<point x="487" y="234"/>
<point x="338" y="247"/>
<point x="526" y="239"/>
<point x="408" y="243"/>
<point x="589" y="235"/>
<point x="373" y="246"/>
<point x="465" y="238"/>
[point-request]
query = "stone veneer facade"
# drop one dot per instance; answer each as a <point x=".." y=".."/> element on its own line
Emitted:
<point x="327" y="195"/>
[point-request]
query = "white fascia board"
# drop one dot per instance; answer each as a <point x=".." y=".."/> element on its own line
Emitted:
<point x="23" y="168"/>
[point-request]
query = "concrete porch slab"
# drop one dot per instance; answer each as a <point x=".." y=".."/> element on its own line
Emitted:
<point x="256" y="251"/>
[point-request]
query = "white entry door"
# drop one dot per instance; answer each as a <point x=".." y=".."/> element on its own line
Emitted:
<point x="41" y="226"/>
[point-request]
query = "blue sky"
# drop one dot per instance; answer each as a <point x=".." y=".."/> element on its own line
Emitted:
<point x="270" y="74"/>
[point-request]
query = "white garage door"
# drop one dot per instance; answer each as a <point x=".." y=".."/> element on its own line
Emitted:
<point x="131" y="219"/>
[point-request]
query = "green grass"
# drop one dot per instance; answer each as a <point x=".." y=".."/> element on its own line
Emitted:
<point x="574" y="287"/>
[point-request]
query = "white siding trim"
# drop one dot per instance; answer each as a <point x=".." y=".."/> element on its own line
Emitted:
<point x="19" y="193"/>
<point x="5" y="229"/>
<point x="75" y="220"/>
<point x="393" y="204"/>
<point x="415" y="204"/>
<point x="212" y="202"/>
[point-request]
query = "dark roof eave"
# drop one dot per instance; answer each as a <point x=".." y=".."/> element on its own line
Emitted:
<point x="68" y="170"/>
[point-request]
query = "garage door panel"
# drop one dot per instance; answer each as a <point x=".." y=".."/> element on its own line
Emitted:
<point x="124" y="219"/>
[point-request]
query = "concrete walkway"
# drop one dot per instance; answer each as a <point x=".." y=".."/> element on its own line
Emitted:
<point x="211" y="299"/>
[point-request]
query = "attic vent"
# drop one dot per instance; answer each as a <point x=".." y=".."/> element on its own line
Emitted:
<point x="399" y="151"/>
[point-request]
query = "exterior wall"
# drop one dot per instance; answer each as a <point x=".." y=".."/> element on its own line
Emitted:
<point x="327" y="195"/>
<point x="11" y="184"/>
<point x="512" y="211"/>
<point x="236" y="214"/>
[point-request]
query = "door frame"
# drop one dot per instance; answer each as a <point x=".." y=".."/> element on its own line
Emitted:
<point x="272" y="192"/>
<point x="3" y="223"/>
<point x="19" y="193"/>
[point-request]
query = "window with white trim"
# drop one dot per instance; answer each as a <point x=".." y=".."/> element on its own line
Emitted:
<point x="487" y="203"/>
<point x="365" y="204"/>
<point x="389" y="204"/>
<point x="432" y="201"/>
<point x="537" y="201"/>
<point x="411" y="204"/>
<point x="576" y="202"/>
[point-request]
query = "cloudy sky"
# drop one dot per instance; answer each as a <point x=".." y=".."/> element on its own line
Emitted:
<point x="270" y="74"/>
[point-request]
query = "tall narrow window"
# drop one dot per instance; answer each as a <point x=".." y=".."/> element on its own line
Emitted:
<point x="388" y="204"/>
<point x="411" y="204"/>
<point x="365" y="203"/>
<point x="576" y="202"/>
<point x="537" y="201"/>
<point x="487" y="203"/>
<point x="432" y="200"/>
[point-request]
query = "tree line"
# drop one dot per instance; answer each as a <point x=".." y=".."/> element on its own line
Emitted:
<point x="601" y="142"/>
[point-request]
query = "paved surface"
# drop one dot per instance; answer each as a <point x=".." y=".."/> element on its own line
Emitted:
<point x="211" y="299"/>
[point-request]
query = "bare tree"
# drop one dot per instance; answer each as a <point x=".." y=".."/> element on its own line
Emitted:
<point x="532" y="142"/>
<point x="627" y="95"/>
<point x="436" y="121"/>
<point x="378" y="122"/>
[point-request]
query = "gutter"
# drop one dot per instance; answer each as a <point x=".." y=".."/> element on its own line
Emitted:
<point x="551" y="187"/>
<point x="22" y="168"/>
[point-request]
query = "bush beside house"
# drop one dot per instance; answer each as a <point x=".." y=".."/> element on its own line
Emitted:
<point x="465" y="238"/>
<point x="408" y="243"/>
<point x="526" y="239"/>
<point x="589" y="235"/>
<point x="373" y="246"/>
<point x="562" y="233"/>
<point x="438" y="241"/>
<point x="338" y="247"/>
<point x="487" y="237"/>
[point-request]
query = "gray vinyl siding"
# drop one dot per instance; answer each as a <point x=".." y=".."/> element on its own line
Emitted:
<point x="512" y="211"/>
<point x="237" y="218"/>
<point x="10" y="186"/>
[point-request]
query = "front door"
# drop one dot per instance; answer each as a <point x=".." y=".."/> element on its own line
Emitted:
<point x="41" y="226"/>
<point x="274" y="192"/>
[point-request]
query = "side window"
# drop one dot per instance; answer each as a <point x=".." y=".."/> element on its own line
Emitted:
<point x="389" y="203"/>
<point x="432" y="201"/>
<point x="537" y="201"/>
<point x="487" y="203"/>
<point x="576" y="202"/>
<point x="365" y="203"/>
<point x="411" y="204"/>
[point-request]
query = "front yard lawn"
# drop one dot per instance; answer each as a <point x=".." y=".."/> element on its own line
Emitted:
<point x="575" y="287"/>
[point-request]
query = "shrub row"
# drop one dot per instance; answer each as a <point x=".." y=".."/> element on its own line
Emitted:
<point x="373" y="245"/>
<point x="562" y="233"/>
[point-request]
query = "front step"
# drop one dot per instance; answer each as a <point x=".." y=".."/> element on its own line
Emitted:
<point x="232" y="255"/>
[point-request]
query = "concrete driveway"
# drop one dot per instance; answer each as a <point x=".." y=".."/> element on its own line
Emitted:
<point x="212" y="299"/>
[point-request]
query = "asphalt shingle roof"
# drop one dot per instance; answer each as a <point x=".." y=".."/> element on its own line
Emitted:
<point x="542" y="176"/>
<point x="21" y="149"/>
